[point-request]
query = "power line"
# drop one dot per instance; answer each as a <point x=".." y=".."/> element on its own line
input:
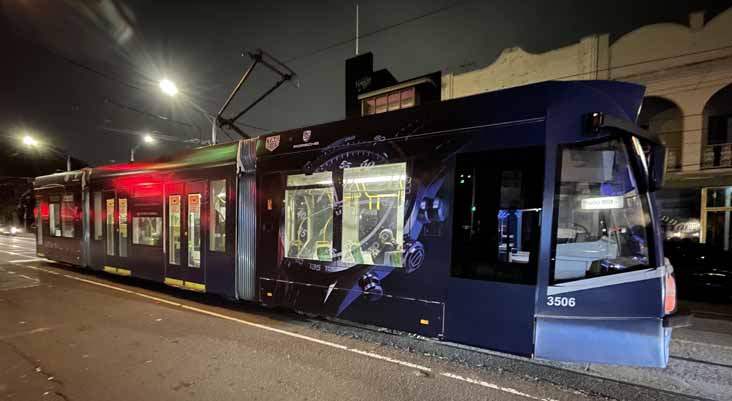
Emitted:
<point x="374" y="32"/>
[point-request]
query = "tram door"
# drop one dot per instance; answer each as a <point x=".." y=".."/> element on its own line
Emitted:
<point x="115" y="232"/>
<point x="496" y="215"/>
<point x="185" y="243"/>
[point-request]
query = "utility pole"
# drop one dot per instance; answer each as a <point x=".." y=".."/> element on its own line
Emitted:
<point x="357" y="29"/>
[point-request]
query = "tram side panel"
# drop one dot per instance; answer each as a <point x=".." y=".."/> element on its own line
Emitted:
<point x="59" y="224"/>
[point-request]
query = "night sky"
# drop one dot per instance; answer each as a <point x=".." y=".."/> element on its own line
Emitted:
<point x="73" y="76"/>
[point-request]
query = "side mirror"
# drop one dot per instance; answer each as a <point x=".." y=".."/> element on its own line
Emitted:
<point x="656" y="165"/>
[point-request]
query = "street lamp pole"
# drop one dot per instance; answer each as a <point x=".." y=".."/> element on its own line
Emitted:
<point x="147" y="139"/>
<point x="32" y="142"/>
<point x="169" y="88"/>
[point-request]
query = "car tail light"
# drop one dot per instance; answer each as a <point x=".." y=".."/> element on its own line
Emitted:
<point x="669" y="301"/>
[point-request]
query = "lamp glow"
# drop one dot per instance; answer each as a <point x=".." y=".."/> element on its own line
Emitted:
<point x="148" y="139"/>
<point x="168" y="87"/>
<point x="29" y="141"/>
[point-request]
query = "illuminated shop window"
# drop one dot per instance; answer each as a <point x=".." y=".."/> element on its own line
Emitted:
<point x="98" y="221"/>
<point x="110" y="227"/>
<point x="218" y="216"/>
<point x="147" y="230"/>
<point x="373" y="214"/>
<point x="174" y="229"/>
<point x="194" y="230"/>
<point x="54" y="219"/>
<point x="309" y="216"/>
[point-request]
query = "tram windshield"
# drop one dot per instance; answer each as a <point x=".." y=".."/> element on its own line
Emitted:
<point x="602" y="220"/>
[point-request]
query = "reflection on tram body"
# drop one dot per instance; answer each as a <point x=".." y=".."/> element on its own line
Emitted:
<point x="602" y="221"/>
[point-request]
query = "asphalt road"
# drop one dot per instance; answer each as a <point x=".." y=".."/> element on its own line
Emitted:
<point x="67" y="334"/>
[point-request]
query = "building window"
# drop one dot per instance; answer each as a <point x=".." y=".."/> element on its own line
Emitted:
<point x="720" y="129"/>
<point x="54" y="219"/>
<point x="147" y="230"/>
<point x="373" y="214"/>
<point x="309" y="216"/>
<point x="68" y="213"/>
<point x="395" y="100"/>
<point x="218" y="216"/>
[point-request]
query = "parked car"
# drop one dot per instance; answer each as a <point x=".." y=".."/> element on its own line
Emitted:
<point x="701" y="270"/>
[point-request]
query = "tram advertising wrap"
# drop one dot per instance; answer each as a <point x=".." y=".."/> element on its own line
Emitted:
<point x="521" y="221"/>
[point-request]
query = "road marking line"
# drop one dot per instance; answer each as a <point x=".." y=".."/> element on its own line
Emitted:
<point x="494" y="386"/>
<point x="248" y="323"/>
<point x="29" y="278"/>
<point x="27" y="260"/>
<point x="482" y="383"/>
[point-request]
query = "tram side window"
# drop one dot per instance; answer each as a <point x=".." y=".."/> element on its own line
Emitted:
<point x="54" y="219"/>
<point x="218" y="216"/>
<point x="601" y="218"/>
<point x="309" y="216"/>
<point x="147" y="230"/>
<point x="98" y="220"/>
<point x="373" y="214"/>
<point x="497" y="211"/>
<point x="68" y="212"/>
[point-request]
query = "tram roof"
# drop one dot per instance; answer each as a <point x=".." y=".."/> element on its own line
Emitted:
<point x="523" y="103"/>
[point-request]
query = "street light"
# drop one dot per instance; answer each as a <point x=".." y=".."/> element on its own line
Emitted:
<point x="33" y="143"/>
<point x="146" y="139"/>
<point x="169" y="88"/>
<point x="29" y="141"/>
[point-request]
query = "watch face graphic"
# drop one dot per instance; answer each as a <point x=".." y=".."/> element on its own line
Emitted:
<point x="375" y="212"/>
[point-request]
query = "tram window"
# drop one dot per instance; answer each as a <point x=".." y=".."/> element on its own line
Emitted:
<point x="39" y="222"/>
<point x="122" y="227"/>
<point x="194" y="230"/>
<point x="54" y="219"/>
<point x="218" y="216"/>
<point x="309" y="216"/>
<point x="68" y="212"/>
<point x="110" y="227"/>
<point x="147" y="230"/>
<point x="601" y="218"/>
<point x="373" y="214"/>
<point x="98" y="221"/>
<point x="174" y="229"/>
<point x="496" y="215"/>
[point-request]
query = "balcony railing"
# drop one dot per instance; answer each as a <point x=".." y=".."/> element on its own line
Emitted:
<point x="717" y="156"/>
<point x="673" y="158"/>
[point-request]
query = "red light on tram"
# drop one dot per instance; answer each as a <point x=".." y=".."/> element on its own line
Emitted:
<point x="669" y="302"/>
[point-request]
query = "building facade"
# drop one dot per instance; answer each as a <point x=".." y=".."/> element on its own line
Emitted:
<point x="687" y="70"/>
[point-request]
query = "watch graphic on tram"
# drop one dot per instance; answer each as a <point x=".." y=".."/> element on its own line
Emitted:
<point x="376" y="250"/>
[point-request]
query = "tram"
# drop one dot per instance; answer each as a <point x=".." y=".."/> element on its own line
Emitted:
<point x="521" y="220"/>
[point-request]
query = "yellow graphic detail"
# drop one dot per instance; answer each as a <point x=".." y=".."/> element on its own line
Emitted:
<point x="186" y="285"/>
<point x="269" y="294"/>
<point x="424" y="321"/>
<point x="118" y="271"/>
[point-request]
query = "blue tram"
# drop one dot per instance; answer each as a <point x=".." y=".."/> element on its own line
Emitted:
<point x="521" y="220"/>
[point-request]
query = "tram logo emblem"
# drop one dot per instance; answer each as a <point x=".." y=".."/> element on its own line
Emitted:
<point x="306" y="135"/>
<point x="272" y="142"/>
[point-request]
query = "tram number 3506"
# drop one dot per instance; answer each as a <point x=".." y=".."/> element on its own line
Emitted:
<point x="561" y="301"/>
